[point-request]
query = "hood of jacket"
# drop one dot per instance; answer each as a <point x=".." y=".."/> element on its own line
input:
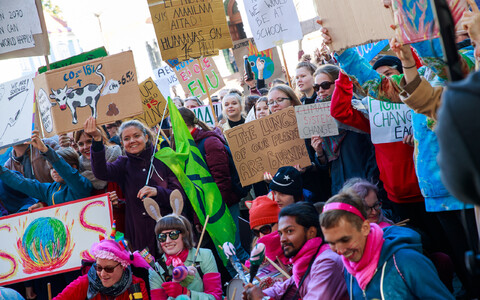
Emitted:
<point x="397" y="238"/>
<point x="200" y="134"/>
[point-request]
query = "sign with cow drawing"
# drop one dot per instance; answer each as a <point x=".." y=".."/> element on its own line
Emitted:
<point x="105" y="88"/>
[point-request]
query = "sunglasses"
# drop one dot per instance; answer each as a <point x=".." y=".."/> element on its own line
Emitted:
<point x="265" y="229"/>
<point x="99" y="269"/>
<point x="175" y="234"/>
<point x="324" y="85"/>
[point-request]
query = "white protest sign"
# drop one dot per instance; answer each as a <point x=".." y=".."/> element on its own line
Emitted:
<point x="51" y="240"/>
<point x="19" y="21"/>
<point x="389" y="122"/>
<point x="165" y="78"/>
<point x="315" y="119"/>
<point x="204" y="113"/>
<point x="273" y="22"/>
<point x="17" y="111"/>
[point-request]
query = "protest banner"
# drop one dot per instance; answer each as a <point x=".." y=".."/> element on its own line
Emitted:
<point x="389" y="122"/>
<point x="204" y="113"/>
<point x="165" y="78"/>
<point x="273" y="66"/>
<point x="189" y="29"/>
<point x="369" y="51"/>
<point x="95" y="53"/>
<point x="105" y="88"/>
<point x="22" y="29"/>
<point x="189" y="75"/>
<point x="416" y="20"/>
<point x="265" y="145"/>
<point x="315" y="119"/>
<point x="153" y="104"/>
<point x="352" y="23"/>
<point x="273" y="22"/>
<point x="53" y="239"/>
<point x="17" y="113"/>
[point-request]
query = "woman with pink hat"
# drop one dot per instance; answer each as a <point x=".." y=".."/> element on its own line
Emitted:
<point x="110" y="276"/>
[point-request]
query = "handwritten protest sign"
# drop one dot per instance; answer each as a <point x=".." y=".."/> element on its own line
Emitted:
<point x="389" y="122"/>
<point x="22" y="29"/>
<point x="95" y="53"/>
<point x="273" y="22"/>
<point x="369" y="51"/>
<point x="190" y="29"/>
<point x="16" y="115"/>
<point x="165" y="78"/>
<point x="105" y="88"/>
<point x="204" y="113"/>
<point x="190" y="77"/>
<point x="265" y="145"/>
<point x="51" y="240"/>
<point x="315" y="119"/>
<point x="353" y="23"/>
<point x="153" y="104"/>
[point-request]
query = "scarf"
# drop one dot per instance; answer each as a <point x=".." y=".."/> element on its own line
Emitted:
<point x="302" y="259"/>
<point x="273" y="247"/>
<point x="177" y="260"/>
<point x="111" y="154"/>
<point x="96" y="287"/>
<point x="364" y="270"/>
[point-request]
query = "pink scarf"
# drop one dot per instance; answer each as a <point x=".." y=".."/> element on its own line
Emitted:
<point x="364" y="270"/>
<point x="177" y="260"/>
<point x="302" y="259"/>
<point x="273" y="247"/>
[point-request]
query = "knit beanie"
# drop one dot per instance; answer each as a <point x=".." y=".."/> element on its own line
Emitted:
<point x="287" y="181"/>
<point x="110" y="249"/>
<point x="263" y="211"/>
<point x="390" y="61"/>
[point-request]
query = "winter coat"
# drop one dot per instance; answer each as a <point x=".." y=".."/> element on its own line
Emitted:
<point x="216" y="157"/>
<point x="403" y="272"/>
<point x="74" y="187"/>
<point x="130" y="172"/>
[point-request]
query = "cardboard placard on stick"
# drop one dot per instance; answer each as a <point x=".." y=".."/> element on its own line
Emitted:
<point x="190" y="29"/>
<point x="389" y="122"/>
<point x="204" y="113"/>
<point x="352" y="23"/>
<point x="153" y="103"/>
<point x="267" y="144"/>
<point x="22" y="29"/>
<point x="190" y="77"/>
<point x="315" y="119"/>
<point x="105" y="88"/>
<point x="95" y="53"/>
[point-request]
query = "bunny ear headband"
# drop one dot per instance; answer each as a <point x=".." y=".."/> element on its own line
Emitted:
<point x="153" y="210"/>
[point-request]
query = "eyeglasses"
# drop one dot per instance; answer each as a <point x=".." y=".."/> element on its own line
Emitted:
<point x="99" y="269"/>
<point x="276" y="101"/>
<point x="324" y="85"/>
<point x="175" y="234"/>
<point x="265" y="229"/>
<point x="375" y="206"/>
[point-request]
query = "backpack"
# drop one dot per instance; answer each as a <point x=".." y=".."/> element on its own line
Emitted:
<point x="234" y="177"/>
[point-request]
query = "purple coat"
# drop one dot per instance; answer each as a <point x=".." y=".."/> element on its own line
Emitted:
<point x="130" y="172"/>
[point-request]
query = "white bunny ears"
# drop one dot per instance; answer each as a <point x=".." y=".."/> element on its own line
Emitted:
<point x="153" y="210"/>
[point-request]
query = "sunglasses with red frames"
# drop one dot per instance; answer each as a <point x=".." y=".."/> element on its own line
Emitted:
<point x="324" y="85"/>
<point x="265" y="229"/>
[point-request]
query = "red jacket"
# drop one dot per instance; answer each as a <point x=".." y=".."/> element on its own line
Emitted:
<point x="394" y="160"/>
<point x="77" y="290"/>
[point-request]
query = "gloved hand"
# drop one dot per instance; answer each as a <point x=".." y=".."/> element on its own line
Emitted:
<point x="174" y="289"/>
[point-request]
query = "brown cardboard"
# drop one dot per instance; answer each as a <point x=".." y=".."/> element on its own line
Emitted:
<point x="265" y="145"/>
<point x="119" y="95"/>
<point x="190" y="29"/>
<point x="352" y="22"/>
<point x="153" y="104"/>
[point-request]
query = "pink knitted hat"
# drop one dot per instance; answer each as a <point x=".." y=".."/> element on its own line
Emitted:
<point x="109" y="249"/>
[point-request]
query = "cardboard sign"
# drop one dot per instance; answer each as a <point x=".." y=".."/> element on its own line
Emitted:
<point x="353" y="23"/>
<point x="315" y="119"/>
<point x="369" y="51"/>
<point x="95" y="53"/>
<point x="17" y="113"/>
<point x="190" y="29"/>
<point x="22" y="29"/>
<point x="267" y="144"/>
<point x="51" y="240"/>
<point x="389" y="122"/>
<point x="273" y="22"/>
<point x="204" y="113"/>
<point x="190" y="77"/>
<point x="165" y="78"/>
<point x="273" y="66"/>
<point x="153" y="104"/>
<point x="105" y="88"/>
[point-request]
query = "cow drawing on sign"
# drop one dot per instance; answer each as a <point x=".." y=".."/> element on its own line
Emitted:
<point x="80" y="97"/>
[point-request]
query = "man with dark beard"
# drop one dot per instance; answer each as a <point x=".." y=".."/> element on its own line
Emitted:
<point x="317" y="271"/>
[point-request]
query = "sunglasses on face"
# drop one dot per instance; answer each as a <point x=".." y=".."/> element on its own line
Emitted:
<point x="162" y="237"/>
<point x="265" y="229"/>
<point x="324" y="85"/>
<point x="99" y="269"/>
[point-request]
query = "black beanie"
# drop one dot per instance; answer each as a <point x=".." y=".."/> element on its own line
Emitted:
<point x="390" y="61"/>
<point x="458" y="130"/>
<point x="287" y="180"/>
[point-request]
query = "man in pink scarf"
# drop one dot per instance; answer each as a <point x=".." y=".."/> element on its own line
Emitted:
<point x="379" y="264"/>
<point x="317" y="270"/>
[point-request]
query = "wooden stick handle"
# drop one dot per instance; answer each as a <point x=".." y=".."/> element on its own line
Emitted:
<point x="233" y="294"/>
<point x="206" y="90"/>
<point x="49" y="288"/>
<point x="201" y="239"/>
<point x="277" y="267"/>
